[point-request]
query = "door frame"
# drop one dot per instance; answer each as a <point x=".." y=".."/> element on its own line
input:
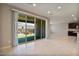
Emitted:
<point x="15" y="25"/>
<point x="14" y="28"/>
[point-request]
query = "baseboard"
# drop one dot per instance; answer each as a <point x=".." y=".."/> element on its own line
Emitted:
<point x="2" y="48"/>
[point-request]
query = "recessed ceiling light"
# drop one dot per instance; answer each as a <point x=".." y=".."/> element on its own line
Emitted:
<point x="73" y="15"/>
<point x="49" y="12"/>
<point x="34" y="4"/>
<point x="59" y="7"/>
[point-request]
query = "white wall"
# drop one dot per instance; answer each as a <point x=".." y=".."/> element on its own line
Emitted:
<point x="58" y="27"/>
<point x="5" y="26"/>
<point x="0" y="26"/>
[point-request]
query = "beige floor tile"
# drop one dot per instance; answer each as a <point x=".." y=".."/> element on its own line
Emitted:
<point x="53" y="47"/>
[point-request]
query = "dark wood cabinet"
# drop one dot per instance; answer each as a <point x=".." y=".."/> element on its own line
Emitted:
<point x="72" y="29"/>
<point x="72" y="25"/>
<point x="72" y="33"/>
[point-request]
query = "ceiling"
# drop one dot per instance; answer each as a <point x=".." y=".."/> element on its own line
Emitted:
<point x="42" y="9"/>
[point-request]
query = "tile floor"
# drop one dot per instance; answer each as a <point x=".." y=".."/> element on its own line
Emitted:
<point x="58" y="46"/>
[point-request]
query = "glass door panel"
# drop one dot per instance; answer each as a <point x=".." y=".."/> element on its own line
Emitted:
<point x="38" y="29"/>
<point x="21" y="29"/>
<point x="43" y="28"/>
<point x="30" y="28"/>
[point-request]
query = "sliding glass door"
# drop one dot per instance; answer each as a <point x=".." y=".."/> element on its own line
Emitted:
<point x="38" y="29"/>
<point x="43" y="28"/>
<point x="21" y="29"/>
<point x="30" y="28"/>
